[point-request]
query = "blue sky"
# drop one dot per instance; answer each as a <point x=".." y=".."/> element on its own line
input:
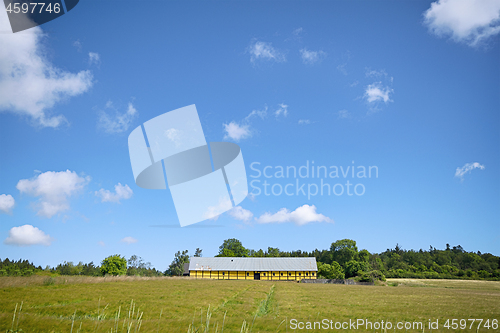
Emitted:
<point x="409" y="87"/>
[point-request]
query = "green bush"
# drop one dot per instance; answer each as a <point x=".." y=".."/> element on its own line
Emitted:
<point x="352" y="268"/>
<point x="370" y="276"/>
<point x="331" y="271"/>
<point x="114" y="265"/>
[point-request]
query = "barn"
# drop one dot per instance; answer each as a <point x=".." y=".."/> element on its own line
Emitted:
<point x="236" y="268"/>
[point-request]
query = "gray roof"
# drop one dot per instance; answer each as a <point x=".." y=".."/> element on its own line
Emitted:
<point x="186" y="268"/>
<point x="252" y="264"/>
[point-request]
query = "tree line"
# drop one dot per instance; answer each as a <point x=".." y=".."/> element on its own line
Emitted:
<point x="344" y="260"/>
<point x="341" y="260"/>
<point x="112" y="265"/>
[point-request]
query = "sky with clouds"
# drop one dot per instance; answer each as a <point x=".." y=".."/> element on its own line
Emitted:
<point x="376" y="122"/>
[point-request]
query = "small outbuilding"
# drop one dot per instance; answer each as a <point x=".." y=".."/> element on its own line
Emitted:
<point x="236" y="268"/>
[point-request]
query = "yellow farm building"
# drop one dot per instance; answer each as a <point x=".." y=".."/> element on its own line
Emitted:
<point x="236" y="268"/>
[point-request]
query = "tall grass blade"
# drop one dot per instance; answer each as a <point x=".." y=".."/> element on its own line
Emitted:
<point x="13" y="319"/>
<point x="73" y="321"/>
<point x="223" y="320"/>
<point x="280" y="324"/>
<point x="209" y="315"/>
<point x="19" y="315"/>
<point x="158" y="329"/>
<point x="138" y="322"/>
<point x="253" y="321"/>
<point x="117" y="319"/>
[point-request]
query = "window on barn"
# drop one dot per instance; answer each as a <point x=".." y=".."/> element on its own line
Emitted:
<point x="300" y="274"/>
<point x="289" y="274"/>
<point x="307" y="274"/>
<point x="223" y="273"/>
<point x="274" y="274"/>
<point x="281" y="274"/>
<point x="264" y="274"/>
<point x="248" y="274"/>
<point x="313" y="274"/>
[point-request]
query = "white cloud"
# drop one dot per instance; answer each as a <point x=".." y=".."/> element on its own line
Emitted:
<point x="174" y="135"/>
<point x="30" y="85"/>
<point x="241" y="130"/>
<point x="297" y="32"/>
<point x="376" y="92"/>
<point x="260" y="113"/>
<point x="213" y="212"/>
<point x="375" y="73"/>
<point x="119" y="122"/>
<point x="283" y="110"/>
<point x="78" y="45"/>
<point x="53" y="189"/>
<point x="302" y="215"/>
<point x="121" y="192"/>
<point x="241" y="214"/>
<point x="342" y="68"/>
<point x="27" y="235"/>
<point x="312" y="57"/>
<point x="94" y="58"/>
<point x="467" y="168"/>
<point x="343" y="114"/>
<point x="304" y="121"/>
<point x="7" y="202"/>
<point x="264" y="51"/>
<point x="236" y="132"/>
<point x="101" y="243"/>
<point x="296" y="35"/>
<point x="467" y="21"/>
<point x="129" y="240"/>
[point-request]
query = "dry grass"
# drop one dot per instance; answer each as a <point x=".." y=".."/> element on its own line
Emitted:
<point x="456" y="284"/>
<point x="94" y="303"/>
<point x="38" y="280"/>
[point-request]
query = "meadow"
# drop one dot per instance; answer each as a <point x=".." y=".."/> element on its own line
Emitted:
<point x="166" y="304"/>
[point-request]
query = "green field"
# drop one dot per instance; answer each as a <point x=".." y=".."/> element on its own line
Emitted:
<point x="121" y="304"/>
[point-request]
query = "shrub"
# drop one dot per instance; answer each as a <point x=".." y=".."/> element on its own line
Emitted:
<point x="370" y="276"/>
<point x="333" y="271"/>
<point x="114" y="265"/>
<point x="353" y="267"/>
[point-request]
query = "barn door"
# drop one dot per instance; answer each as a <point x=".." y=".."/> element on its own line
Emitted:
<point x="256" y="276"/>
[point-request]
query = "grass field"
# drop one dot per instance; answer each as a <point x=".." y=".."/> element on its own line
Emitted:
<point x="73" y="304"/>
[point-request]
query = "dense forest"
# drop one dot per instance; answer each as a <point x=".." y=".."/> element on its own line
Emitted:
<point x="341" y="260"/>
<point x="344" y="260"/>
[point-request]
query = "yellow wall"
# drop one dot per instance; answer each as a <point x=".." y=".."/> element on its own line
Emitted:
<point x="249" y="275"/>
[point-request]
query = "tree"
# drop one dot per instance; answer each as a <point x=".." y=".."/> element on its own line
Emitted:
<point x="258" y="254"/>
<point x="226" y="253"/>
<point x="232" y="248"/>
<point x="338" y="272"/>
<point x="364" y="255"/>
<point x="137" y="266"/>
<point x="177" y="265"/>
<point x="343" y="251"/>
<point x="197" y="253"/>
<point x="273" y="252"/>
<point x="331" y="271"/>
<point x="91" y="270"/>
<point x="114" y="265"/>
<point x="398" y="250"/>
<point x="352" y="268"/>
